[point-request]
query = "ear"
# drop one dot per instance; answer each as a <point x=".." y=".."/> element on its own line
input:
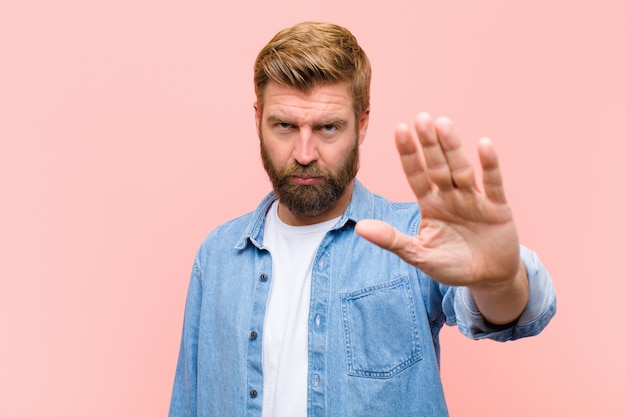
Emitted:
<point x="363" y="123"/>
<point x="257" y="116"/>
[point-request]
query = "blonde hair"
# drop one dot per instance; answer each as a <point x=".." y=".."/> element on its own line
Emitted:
<point x="310" y="54"/>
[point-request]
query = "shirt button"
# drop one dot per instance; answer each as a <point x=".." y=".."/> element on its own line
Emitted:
<point x="263" y="277"/>
<point x="253" y="393"/>
<point x="253" y="335"/>
<point x="318" y="320"/>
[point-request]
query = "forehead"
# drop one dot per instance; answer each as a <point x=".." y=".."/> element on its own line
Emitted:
<point x="324" y="101"/>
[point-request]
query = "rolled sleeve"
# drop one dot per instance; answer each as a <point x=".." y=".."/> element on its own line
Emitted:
<point x="539" y="311"/>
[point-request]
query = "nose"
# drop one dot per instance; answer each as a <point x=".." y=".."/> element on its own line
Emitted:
<point x="304" y="149"/>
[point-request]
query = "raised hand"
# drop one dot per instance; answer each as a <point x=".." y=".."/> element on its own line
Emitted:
<point x="467" y="236"/>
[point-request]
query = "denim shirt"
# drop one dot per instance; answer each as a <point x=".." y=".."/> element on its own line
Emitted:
<point x="374" y="321"/>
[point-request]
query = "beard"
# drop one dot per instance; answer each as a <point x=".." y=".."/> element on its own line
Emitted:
<point x="311" y="200"/>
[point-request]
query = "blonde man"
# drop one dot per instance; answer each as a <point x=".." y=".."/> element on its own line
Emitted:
<point x="328" y="300"/>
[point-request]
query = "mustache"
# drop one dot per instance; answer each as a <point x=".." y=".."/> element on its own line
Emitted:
<point x="299" y="170"/>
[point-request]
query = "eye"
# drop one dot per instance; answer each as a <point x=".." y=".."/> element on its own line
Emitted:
<point x="329" y="128"/>
<point x="282" y="126"/>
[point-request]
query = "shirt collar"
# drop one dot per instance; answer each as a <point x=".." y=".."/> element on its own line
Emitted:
<point x="361" y="207"/>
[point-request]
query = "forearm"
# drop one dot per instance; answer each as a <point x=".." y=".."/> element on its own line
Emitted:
<point x="503" y="302"/>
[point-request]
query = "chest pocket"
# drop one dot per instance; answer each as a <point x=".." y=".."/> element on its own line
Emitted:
<point x="380" y="329"/>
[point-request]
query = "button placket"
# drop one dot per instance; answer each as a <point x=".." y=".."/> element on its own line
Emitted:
<point x="254" y="375"/>
<point x="317" y="327"/>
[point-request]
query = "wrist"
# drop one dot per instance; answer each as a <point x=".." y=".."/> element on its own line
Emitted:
<point x="502" y="302"/>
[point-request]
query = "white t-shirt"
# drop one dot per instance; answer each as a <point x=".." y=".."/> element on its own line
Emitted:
<point x="285" y="334"/>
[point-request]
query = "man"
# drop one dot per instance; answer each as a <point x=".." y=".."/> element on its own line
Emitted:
<point x="292" y="311"/>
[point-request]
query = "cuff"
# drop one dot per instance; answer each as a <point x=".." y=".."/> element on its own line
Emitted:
<point x="539" y="311"/>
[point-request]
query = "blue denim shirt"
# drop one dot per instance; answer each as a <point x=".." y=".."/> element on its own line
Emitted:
<point x="374" y="321"/>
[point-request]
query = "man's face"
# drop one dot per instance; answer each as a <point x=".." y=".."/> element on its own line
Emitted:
<point x="309" y="147"/>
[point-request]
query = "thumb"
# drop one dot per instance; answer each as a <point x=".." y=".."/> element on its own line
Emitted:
<point x="389" y="238"/>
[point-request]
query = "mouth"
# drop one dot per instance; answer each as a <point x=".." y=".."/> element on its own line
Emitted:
<point x="306" y="180"/>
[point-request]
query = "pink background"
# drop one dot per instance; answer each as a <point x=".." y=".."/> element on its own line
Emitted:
<point x="127" y="133"/>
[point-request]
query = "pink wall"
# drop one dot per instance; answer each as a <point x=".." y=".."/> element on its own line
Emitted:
<point x="127" y="133"/>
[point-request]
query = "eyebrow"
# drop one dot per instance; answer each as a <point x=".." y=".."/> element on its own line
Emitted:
<point x="335" y="121"/>
<point x="278" y="119"/>
<point x="324" y="122"/>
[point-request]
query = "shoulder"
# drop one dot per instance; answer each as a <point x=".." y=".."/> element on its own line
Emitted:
<point x="220" y="247"/>
<point x="368" y="205"/>
<point x="229" y="233"/>
<point x="403" y="208"/>
<point x="402" y="215"/>
<point x="236" y="232"/>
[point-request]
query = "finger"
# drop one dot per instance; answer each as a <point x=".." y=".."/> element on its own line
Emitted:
<point x="389" y="238"/>
<point x="438" y="170"/>
<point x="492" y="176"/>
<point x="459" y="164"/>
<point x="412" y="162"/>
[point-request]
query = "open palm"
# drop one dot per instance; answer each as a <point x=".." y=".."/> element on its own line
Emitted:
<point x="466" y="236"/>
